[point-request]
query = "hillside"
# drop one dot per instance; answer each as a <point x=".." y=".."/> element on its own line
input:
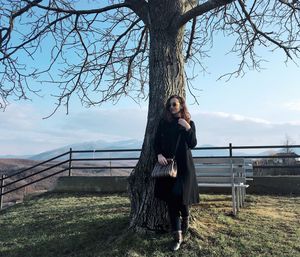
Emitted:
<point x="11" y="166"/>
<point x="96" y="225"/>
<point x="92" y="145"/>
<point x="131" y="144"/>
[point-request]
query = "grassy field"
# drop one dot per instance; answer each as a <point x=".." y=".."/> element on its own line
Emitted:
<point x="95" y="225"/>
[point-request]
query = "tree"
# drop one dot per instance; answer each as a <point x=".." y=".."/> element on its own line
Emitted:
<point x="288" y="151"/>
<point x="125" y="46"/>
<point x="287" y="142"/>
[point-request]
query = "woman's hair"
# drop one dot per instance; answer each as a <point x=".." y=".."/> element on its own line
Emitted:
<point x="184" y="114"/>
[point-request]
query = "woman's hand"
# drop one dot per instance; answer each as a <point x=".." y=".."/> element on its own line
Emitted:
<point x="184" y="123"/>
<point x="162" y="160"/>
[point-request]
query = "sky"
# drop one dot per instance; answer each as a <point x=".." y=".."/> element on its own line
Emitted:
<point x="260" y="108"/>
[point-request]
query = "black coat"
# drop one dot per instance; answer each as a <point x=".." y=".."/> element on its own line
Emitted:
<point x="185" y="182"/>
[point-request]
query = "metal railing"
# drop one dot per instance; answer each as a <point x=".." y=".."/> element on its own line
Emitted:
<point x="70" y="161"/>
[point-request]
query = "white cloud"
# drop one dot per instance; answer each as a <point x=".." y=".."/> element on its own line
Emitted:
<point x="293" y="105"/>
<point x="220" y="128"/>
<point x="22" y="116"/>
<point x="236" y="117"/>
<point x="23" y="131"/>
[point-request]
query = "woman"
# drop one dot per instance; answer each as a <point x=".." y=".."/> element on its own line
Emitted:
<point x="182" y="191"/>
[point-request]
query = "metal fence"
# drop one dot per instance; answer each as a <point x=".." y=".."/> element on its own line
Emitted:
<point x="69" y="163"/>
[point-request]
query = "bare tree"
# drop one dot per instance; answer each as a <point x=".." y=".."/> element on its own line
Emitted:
<point x="287" y="142"/>
<point x="288" y="151"/>
<point x="134" y="48"/>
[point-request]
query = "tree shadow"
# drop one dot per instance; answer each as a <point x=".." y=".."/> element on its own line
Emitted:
<point x="41" y="238"/>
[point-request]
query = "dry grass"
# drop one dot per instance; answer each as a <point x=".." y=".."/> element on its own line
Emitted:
<point x="96" y="225"/>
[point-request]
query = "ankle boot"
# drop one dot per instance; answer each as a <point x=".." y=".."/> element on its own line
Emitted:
<point x="185" y="225"/>
<point x="177" y="240"/>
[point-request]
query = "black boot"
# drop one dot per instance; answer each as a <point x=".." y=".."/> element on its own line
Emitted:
<point x="177" y="240"/>
<point x="185" y="225"/>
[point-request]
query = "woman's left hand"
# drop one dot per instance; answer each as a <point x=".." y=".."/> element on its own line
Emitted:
<point x="184" y="123"/>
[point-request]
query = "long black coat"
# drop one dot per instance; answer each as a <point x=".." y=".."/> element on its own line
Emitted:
<point x="185" y="182"/>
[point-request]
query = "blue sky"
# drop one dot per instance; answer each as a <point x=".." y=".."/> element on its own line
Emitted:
<point x="258" y="108"/>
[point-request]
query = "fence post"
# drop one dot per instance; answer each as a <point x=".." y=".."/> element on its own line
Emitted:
<point x="230" y="149"/>
<point x="233" y="189"/>
<point x="1" y="190"/>
<point x="109" y="154"/>
<point x="70" y="161"/>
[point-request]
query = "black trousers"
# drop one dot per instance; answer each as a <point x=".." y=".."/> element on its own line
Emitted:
<point x="176" y="209"/>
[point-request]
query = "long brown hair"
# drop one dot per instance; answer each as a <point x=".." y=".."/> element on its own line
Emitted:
<point x="184" y="114"/>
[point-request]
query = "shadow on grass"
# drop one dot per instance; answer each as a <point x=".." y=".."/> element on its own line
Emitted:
<point x="83" y="239"/>
<point x="78" y="228"/>
<point x="62" y="225"/>
<point x="83" y="225"/>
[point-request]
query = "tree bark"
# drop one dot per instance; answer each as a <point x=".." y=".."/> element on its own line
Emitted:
<point x="166" y="77"/>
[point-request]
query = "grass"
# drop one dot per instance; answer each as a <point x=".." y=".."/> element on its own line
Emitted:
<point x="85" y="225"/>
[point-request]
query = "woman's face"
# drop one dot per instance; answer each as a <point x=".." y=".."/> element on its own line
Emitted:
<point x="174" y="106"/>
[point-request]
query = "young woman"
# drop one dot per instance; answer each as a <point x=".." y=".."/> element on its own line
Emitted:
<point x="182" y="191"/>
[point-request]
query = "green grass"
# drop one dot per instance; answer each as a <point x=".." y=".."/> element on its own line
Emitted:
<point x="96" y="225"/>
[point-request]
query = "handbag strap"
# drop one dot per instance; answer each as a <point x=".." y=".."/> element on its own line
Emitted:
<point x="178" y="138"/>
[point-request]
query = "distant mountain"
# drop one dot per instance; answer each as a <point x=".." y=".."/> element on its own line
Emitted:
<point x="210" y="152"/>
<point x="225" y="152"/>
<point x="295" y="150"/>
<point x="9" y="156"/>
<point x="94" y="145"/>
<point x="128" y="144"/>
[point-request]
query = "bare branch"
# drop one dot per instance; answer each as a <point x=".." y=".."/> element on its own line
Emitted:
<point x="264" y="34"/>
<point x="188" y="52"/>
<point x="131" y="58"/>
<point x="140" y="7"/>
<point x="273" y="25"/>
<point x="114" y="45"/>
<point x="201" y="9"/>
<point x="78" y="12"/>
<point x="294" y="4"/>
<point x="102" y="54"/>
<point x="12" y="18"/>
<point x="39" y="34"/>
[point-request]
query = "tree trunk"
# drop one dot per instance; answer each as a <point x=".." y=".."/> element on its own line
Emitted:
<point x="166" y="78"/>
